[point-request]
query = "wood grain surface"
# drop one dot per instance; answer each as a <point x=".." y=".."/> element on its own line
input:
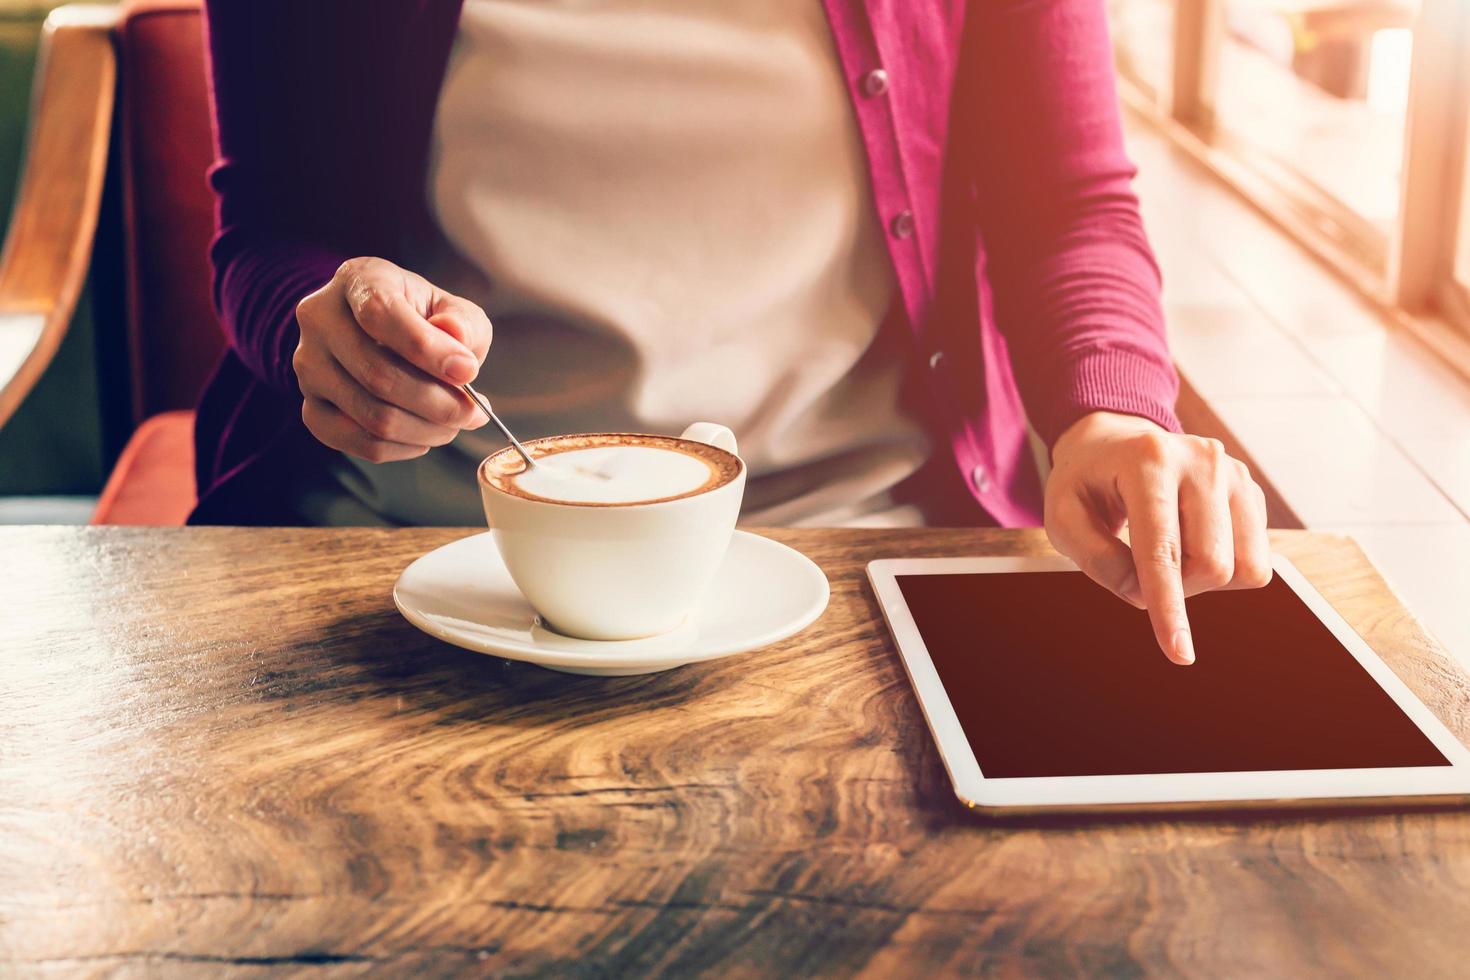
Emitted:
<point x="222" y="751"/>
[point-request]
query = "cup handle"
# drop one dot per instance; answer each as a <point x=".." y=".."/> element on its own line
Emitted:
<point x="711" y="434"/>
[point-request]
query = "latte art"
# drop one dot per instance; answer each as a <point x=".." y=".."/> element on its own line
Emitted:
<point x="614" y="475"/>
<point x="612" y="469"/>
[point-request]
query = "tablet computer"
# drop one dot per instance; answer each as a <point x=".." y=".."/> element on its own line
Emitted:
<point x="1044" y="691"/>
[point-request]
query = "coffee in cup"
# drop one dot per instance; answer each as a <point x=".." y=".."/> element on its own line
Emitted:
<point x="612" y="469"/>
<point x="615" y="536"/>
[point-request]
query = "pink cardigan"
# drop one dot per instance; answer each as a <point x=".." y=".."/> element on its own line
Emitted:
<point x="998" y="170"/>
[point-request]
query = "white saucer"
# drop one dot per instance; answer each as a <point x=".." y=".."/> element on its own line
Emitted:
<point x="462" y="594"/>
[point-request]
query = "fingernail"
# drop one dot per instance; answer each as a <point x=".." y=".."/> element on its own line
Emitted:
<point x="1183" y="647"/>
<point x="1129" y="589"/>
<point x="461" y="367"/>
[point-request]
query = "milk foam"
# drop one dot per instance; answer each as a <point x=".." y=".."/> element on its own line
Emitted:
<point x="614" y="475"/>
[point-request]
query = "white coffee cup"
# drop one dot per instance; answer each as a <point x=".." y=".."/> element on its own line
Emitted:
<point x="616" y="571"/>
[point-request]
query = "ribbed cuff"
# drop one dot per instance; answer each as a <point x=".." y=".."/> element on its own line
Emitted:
<point x="1111" y="379"/>
<point x="256" y="296"/>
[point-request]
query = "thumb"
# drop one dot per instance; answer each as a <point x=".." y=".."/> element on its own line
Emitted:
<point x="1081" y="534"/>
<point x="466" y="323"/>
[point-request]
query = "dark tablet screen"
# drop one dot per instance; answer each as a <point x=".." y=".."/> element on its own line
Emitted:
<point x="1051" y="675"/>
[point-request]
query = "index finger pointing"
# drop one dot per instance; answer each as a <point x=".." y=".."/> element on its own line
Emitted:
<point x="386" y="316"/>
<point x="1153" y="535"/>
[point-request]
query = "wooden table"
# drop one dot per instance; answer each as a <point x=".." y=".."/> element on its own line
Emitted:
<point x="222" y="749"/>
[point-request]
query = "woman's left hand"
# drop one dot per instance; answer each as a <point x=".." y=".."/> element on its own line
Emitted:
<point x="1196" y="520"/>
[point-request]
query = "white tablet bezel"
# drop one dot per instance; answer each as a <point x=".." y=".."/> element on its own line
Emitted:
<point x="1441" y="784"/>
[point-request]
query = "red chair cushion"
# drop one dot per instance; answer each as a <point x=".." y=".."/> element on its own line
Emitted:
<point x="153" y="481"/>
<point x="168" y="208"/>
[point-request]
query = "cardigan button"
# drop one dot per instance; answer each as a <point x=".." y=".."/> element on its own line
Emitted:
<point x="936" y="360"/>
<point x="902" y="224"/>
<point x="875" y="83"/>
<point x="981" y="479"/>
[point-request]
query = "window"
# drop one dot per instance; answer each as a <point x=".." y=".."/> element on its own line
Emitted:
<point x="1346" y="120"/>
<point x="1314" y="97"/>
<point x="1142" y="34"/>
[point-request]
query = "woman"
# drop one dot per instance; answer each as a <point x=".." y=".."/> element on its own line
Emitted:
<point x="859" y="237"/>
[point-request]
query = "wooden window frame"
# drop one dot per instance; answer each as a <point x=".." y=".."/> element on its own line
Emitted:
<point x="1454" y="288"/>
<point x="1435" y="158"/>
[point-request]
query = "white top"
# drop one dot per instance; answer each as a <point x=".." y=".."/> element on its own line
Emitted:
<point x="663" y="205"/>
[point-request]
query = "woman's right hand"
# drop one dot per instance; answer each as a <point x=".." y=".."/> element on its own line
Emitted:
<point x="381" y="357"/>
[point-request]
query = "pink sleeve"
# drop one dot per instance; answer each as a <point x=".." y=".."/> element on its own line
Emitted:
<point x="1075" y="284"/>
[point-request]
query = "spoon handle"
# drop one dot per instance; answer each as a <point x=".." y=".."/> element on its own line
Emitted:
<point x="484" y="406"/>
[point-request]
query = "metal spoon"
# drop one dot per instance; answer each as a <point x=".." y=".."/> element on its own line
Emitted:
<point x="484" y="405"/>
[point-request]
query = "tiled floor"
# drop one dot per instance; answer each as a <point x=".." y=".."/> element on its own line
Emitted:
<point x="1364" y="431"/>
<point x="1331" y="463"/>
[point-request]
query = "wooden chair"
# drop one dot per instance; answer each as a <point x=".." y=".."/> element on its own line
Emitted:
<point x="142" y="67"/>
<point x="145" y="61"/>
